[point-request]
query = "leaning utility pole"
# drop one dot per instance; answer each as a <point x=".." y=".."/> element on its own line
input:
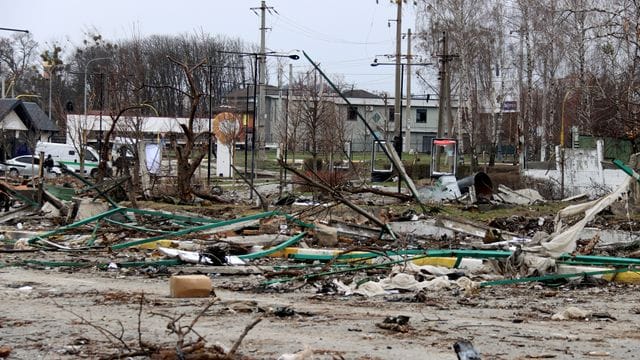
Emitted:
<point x="397" y="133"/>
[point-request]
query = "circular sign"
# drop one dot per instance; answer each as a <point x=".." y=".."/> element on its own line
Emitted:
<point x="227" y="127"/>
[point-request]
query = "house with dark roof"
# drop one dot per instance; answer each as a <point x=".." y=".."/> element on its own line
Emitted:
<point x="22" y="125"/>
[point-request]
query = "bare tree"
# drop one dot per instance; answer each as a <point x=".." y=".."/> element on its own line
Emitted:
<point x="316" y="113"/>
<point x="17" y="55"/>
<point x="465" y="23"/>
<point x="190" y="154"/>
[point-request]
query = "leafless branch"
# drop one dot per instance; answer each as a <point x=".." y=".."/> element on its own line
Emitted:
<point x="336" y="195"/>
<point x="140" y="321"/>
<point x="108" y="334"/>
<point x="263" y="202"/>
<point x="248" y="328"/>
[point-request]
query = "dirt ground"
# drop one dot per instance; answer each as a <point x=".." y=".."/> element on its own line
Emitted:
<point x="92" y="313"/>
<point x="37" y="318"/>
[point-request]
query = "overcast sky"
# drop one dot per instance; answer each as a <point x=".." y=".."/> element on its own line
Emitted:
<point x="343" y="35"/>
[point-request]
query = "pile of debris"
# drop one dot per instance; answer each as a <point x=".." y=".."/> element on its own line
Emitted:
<point x="336" y="247"/>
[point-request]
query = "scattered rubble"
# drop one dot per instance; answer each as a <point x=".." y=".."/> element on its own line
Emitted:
<point x="339" y="248"/>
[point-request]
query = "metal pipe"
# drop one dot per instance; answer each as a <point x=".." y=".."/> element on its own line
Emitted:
<point x="482" y="183"/>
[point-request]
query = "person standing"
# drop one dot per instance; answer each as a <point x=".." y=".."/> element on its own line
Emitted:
<point x="48" y="163"/>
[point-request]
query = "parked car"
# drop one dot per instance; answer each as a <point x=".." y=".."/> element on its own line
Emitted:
<point x="26" y="165"/>
<point x="67" y="155"/>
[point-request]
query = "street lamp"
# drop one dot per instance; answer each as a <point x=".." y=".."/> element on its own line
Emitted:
<point x="256" y="108"/>
<point x="86" y="67"/>
<point x="50" y="70"/>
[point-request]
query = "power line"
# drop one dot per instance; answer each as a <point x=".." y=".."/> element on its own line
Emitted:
<point x="316" y="35"/>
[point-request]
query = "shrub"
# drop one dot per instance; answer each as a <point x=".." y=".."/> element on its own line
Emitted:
<point x="418" y="170"/>
<point x="335" y="180"/>
<point x="308" y="164"/>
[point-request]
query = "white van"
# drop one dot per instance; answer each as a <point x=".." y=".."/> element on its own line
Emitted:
<point x="68" y="156"/>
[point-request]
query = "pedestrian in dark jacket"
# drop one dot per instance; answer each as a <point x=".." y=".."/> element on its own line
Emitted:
<point x="48" y="163"/>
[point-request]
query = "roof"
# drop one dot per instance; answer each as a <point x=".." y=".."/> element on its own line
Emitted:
<point x="275" y="91"/>
<point x="6" y="106"/>
<point x="241" y="93"/>
<point x="40" y="120"/>
<point x="152" y="124"/>
<point x="357" y="93"/>
<point x="29" y="112"/>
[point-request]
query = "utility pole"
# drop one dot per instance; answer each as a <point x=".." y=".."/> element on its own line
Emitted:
<point x="407" y="144"/>
<point x="397" y="133"/>
<point x="280" y="117"/>
<point x="286" y="124"/>
<point x="444" y="106"/>
<point x="529" y="118"/>
<point x="444" y="96"/>
<point x="261" y="117"/>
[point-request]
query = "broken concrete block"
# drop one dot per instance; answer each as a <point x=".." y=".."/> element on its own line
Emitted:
<point x="270" y="226"/>
<point x="519" y="197"/>
<point x="88" y="208"/>
<point x="327" y="236"/>
<point x="187" y="286"/>
<point x="49" y="211"/>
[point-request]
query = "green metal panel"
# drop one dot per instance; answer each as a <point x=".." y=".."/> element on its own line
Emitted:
<point x="287" y="243"/>
<point x="193" y="230"/>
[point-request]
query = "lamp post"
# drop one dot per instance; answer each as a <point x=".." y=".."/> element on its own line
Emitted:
<point x="101" y="107"/>
<point x="86" y="67"/>
<point x="50" y="70"/>
<point x="257" y="108"/>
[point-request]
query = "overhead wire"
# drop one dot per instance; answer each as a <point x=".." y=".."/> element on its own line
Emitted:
<point x="280" y="20"/>
<point x="313" y="34"/>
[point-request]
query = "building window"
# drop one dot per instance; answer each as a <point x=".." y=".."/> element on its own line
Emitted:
<point x="352" y="113"/>
<point x="421" y="115"/>
<point x="392" y="114"/>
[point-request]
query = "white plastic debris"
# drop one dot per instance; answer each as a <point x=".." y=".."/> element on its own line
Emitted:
<point x="234" y="260"/>
<point x="186" y="256"/>
<point x="571" y="313"/>
<point x="305" y="354"/>
<point x="369" y="289"/>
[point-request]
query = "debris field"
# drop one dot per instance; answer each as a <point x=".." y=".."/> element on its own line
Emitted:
<point x="356" y="275"/>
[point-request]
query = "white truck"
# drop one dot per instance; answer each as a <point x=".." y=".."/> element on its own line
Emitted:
<point x="67" y="155"/>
